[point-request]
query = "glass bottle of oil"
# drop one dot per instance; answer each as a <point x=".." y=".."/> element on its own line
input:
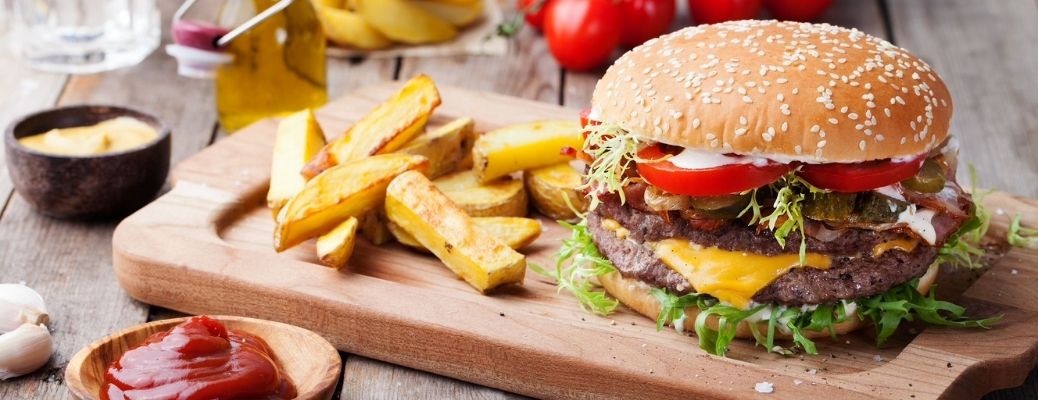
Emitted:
<point x="278" y="67"/>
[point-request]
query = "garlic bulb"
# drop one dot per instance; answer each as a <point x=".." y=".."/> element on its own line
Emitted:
<point x="24" y="350"/>
<point x="19" y="304"/>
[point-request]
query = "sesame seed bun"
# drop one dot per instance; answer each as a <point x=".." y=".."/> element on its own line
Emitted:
<point x="637" y="296"/>
<point x="782" y="90"/>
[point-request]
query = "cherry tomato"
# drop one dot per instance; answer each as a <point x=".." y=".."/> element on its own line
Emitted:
<point x="859" y="177"/>
<point x="534" y="10"/>
<point x="645" y="19"/>
<point x="714" y="11"/>
<point x="797" y="10"/>
<point x="728" y="179"/>
<point x="582" y="34"/>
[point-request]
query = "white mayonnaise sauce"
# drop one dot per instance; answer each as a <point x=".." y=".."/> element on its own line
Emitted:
<point x="679" y="324"/>
<point x="890" y="192"/>
<point x="698" y="159"/>
<point x="919" y="221"/>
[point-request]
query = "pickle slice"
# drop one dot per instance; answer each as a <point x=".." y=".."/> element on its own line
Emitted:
<point x="930" y="178"/>
<point x="829" y="206"/>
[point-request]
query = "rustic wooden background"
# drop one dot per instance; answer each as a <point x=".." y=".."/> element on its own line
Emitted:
<point x="987" y="51"/>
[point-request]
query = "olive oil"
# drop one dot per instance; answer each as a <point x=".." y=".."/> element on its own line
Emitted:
<point x="278" y="67"/>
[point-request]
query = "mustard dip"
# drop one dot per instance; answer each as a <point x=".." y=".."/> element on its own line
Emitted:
<point x="109" y="136"/>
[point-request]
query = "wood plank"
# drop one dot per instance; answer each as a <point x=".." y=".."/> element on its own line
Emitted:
<point x="69" y="262"/>
<point x="365" y="378"/>
<point x="527" y="71"/>
<point x="987" y="52"/>
<point x="26" y="90"/>
<point x="210" y="238"/>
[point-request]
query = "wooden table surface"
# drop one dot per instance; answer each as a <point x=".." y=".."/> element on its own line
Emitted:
<point x="986" y="50"/>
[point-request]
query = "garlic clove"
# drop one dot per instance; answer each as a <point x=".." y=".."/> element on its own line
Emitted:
<point x="24" y="350"/>
<point x="20" y="304"/>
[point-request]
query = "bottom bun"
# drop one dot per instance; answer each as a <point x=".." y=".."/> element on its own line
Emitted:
<point x="637" y="295"/>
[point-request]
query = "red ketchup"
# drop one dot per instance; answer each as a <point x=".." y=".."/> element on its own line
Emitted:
<point x="197" y="360"/>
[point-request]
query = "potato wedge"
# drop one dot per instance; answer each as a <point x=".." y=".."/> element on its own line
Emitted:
<point x="415" y="205"/>
<point x="341" y="4"/>
<point x="347" y="190"/>
<point x="444" y="146"/>
<point x="405" y="22"/>
<point x="505" y="197"/>
<point x="459" y="15"/>
<point x="524" y="146"/>
<point x="335" y="247"/>
<point x="373" y="227"/>
<point x="513" y="231"/>
<point x="553" y="190"/>
<point x="347" y="28"/>
<point x="298" y="139"/>
<point x="385" y="129"/>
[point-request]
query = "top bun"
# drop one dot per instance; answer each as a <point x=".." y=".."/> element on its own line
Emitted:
<point x="781" y="90"/>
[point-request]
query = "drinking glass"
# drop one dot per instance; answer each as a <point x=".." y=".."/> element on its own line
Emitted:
<point x="83" y="36"/>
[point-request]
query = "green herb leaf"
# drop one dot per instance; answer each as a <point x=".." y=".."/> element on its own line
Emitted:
<point x="904" y="303"/>
<point x="672" y="307"/>
<point x="728" y="319"/>
<point x="790" y="193"/>
<point x="1022" y="237"/>
<point x="613" y="150"/>
<point x="577" y="263"/>
<point x="752" y="207"/>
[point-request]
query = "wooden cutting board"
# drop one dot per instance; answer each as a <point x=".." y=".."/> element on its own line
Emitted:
<point x="205" y="247"/>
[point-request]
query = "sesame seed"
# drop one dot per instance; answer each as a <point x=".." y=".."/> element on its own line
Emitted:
<point x="695" y="123"/>
<point x="833" y="121"/>
<point x="747" y="99"/>
<point x="821" y="144"/>
<point x="861" y="145"/>
<point x="740" y="131"/>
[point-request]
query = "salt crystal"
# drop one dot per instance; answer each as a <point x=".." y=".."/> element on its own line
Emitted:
<point x="764" y="387"/>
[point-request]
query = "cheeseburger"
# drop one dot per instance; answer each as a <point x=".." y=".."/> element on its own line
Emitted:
<point x="768" y="180"/>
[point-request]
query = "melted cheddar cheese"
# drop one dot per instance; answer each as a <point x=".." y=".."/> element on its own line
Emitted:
<point x="905" y="245"/>
<point x="732" y="277"/>
<point x="611" y="225"/>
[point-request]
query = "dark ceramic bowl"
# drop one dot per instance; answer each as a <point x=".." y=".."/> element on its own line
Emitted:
<point x="102" y="186"/>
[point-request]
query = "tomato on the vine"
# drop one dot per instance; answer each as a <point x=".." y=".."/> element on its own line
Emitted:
<point x="533" y="12"/>
<point x="797" y="10"/>
<point x="716" y="181"/>
<point x="714" y="11"/>
<point x="645" y="19"/>
<point x="859" y="177"/>
<point x="581" y="34"/>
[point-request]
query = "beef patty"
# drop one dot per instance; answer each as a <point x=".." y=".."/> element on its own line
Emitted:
<point x="854" y="273"/>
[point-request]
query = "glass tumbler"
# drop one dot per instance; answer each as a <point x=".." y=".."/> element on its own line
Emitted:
<point x="83" y="36"/>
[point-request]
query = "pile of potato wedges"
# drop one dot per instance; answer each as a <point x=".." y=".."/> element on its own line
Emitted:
<point x="448" y="190"/>
<point x="377" y="24"/>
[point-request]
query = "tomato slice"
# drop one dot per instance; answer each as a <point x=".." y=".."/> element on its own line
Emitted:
<point x="584" y="114"/>
<point x="859" y="177"/>
<point x="716" y="181"/>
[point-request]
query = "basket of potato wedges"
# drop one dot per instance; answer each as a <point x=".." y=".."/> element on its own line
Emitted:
<point x="462" y="196"/>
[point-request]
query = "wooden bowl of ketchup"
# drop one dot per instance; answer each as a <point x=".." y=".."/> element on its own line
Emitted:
<point x="310" y="364"/>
